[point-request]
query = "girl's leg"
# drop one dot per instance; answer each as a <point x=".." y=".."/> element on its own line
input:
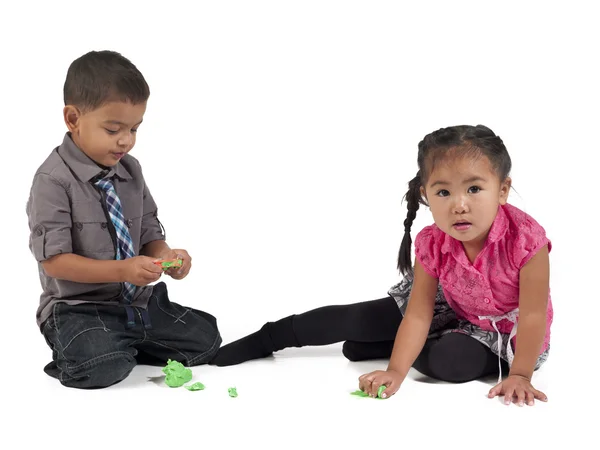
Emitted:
<point x="371" y="321"/>
<point x="454" y="357"/>
<point x="457" y="358"/>
<point x="362" y="351"/>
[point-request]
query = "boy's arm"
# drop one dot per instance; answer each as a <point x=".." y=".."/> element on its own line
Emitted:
<point x="534" y="285"/>
<point x="80" y="269"/>
<point x="152" y="241"/>
<point x="155" y="249"/>
<point x="50" y="223"/>
<point x="49" y="212"/>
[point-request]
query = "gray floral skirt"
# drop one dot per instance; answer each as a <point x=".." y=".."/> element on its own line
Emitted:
<point x="445" y="321"/>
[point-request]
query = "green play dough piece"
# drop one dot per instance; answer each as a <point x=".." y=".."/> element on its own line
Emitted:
<point x="232" y="392"/>
<point x="195" y="387"/>
<point x="177" y="374"/>
<point x="360" y="393"/>
<point x="167" y="264"/>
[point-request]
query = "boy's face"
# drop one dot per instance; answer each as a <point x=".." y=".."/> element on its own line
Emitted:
<point x="107" y="133"/>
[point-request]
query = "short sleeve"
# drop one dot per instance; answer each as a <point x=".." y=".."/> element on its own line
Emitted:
<point x="152" y="229"/>
<point x="49" y="214"/>
<point x="531" y="237"/>
<point x="427" y="251"/>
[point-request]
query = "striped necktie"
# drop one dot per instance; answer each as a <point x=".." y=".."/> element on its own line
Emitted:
<point x="124" y="241"/>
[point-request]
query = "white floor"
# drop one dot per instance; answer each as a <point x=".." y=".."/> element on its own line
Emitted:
<point x="295" y="399"/>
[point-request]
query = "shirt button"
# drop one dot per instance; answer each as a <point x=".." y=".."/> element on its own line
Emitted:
<point x="79" y="225"/>
<point x="129" y="223"/>
<point x="39" y="232"/>
<point x="487" y="300"/>
<point x="104" y="225"/>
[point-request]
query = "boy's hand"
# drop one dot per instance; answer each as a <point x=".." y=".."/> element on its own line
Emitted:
<point x="518" y="389"/>
<point x="179" y="272"/>
<point x="140" y="270"/>
<point x="370" y="382"/>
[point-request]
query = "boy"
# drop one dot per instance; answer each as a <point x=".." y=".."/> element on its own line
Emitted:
<point x="96" y="235"/>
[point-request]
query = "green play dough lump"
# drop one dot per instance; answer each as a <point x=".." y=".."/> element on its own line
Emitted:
<point x="176" y="374"/>
<point x="232" y="392"/>
<point x="195" y="387"/>
<point x="360" y="393"/>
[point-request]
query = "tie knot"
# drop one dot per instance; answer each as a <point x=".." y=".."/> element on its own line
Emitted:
<point x="104" y="183"/>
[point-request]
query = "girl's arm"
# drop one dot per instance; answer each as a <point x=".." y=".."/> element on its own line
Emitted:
<point x="534" y="285"/>
<point x="410" y="338"/>
<point x="534" y="281"/>
<point x="415" y="325"/>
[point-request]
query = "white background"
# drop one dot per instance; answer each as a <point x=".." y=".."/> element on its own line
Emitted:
<point x="290" y="130"/>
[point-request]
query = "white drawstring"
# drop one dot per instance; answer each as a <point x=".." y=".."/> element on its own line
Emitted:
<point x="511" y="316"/>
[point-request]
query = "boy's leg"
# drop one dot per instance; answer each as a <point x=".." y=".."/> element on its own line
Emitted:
<point x="176" y="332"/>
<point x="371" y="321"/>
<point x="90" y="346"/>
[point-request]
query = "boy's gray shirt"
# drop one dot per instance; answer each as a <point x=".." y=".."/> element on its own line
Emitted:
<point x="66" y="214"/>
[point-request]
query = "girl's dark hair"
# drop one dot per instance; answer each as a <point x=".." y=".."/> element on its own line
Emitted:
<point x="100" y="77"/>
<point x="462" y="140"/>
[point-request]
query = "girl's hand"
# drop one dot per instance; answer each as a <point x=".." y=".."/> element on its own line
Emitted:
<point x="370" y="382"/>
<point x="518" y="389"/>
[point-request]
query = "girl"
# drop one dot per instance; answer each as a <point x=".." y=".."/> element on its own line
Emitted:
<point x="480" y="269"/>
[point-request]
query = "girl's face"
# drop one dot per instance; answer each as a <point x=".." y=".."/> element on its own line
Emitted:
<point x="464" y="195"/>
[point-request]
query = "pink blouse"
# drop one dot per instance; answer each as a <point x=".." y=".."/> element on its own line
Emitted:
<point x="488" y="287"/>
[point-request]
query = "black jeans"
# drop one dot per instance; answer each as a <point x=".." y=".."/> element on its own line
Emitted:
<point x="92" y="347"/>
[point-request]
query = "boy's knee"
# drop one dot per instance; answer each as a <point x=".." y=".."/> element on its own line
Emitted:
<point x="99" y="372"/>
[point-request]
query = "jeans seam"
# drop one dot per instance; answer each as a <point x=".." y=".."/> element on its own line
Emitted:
<point x="55" y="316"/>
<point x="177" y="319"/>
<point x="215" y="343"/>
<point x="170" y="348"/>
<point x="100" y="319"/>
<point x="80" y="333"/>
<point x="94" y="361"/>
<point x="141" y="322"/>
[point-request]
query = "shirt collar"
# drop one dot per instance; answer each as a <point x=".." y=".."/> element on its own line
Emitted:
<point x="83" y="166"/>
<point x="497" y="232"/>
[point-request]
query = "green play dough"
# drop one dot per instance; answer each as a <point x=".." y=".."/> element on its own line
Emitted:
<point x="195" y="387"/>
<point x="232" y="392"/>
<point x="176" y="374"/>
<point x="360" y="393"/>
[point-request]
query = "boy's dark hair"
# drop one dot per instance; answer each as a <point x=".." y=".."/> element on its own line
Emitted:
<point x="97" y="78"/>
<point x="451" y="142"/>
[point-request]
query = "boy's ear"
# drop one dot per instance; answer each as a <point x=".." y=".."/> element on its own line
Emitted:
<point x="71" y="114"/>
<point x="504" y="190"/>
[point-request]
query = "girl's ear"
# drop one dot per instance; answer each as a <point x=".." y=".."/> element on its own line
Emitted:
<point x="504" y="190"/>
